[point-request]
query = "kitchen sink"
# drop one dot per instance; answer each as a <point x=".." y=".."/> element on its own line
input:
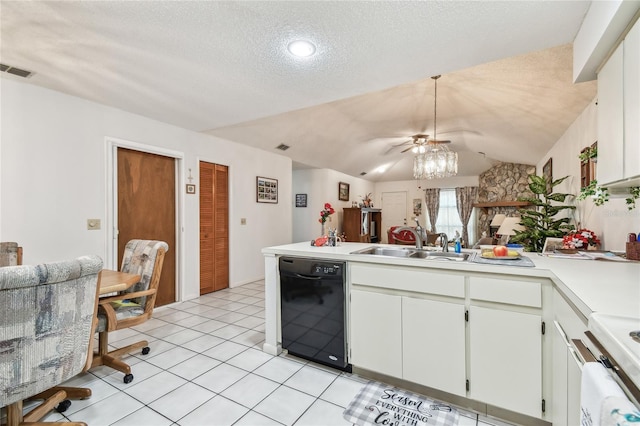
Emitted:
<point x="383" y="251"/>
<point x="439" y="255"/>
<point x="413" y="253"/>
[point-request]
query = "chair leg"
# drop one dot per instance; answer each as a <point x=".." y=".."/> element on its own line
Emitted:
<point x="14" y="414"/>
<point x="112" y="359"/>
<point x="41" y="410"/>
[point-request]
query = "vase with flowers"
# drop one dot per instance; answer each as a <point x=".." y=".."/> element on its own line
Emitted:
<point x="582" y="239"/>
<point x="366" y="200"/>
<point x="325" y="215"/>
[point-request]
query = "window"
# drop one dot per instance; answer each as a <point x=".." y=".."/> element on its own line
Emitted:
<point x="449" y="219"/>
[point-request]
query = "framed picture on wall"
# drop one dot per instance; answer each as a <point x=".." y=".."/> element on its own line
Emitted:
<point x="343" y="191"/>
<point x="266" y="190"/>
<point x="547" y="171"/>
<point x="301" y="200"/>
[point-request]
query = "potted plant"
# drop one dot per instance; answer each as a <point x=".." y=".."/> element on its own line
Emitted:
<point x="582" y="239"/>
<point x="541" y="222"/>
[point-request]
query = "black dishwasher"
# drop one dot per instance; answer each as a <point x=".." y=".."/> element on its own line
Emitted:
<point x="312" y="296"/>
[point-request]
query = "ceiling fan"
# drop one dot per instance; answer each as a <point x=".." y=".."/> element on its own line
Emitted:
<point x="420" y="141"/>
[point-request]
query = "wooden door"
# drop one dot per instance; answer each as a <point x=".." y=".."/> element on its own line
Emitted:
<point x="147" y="209"/>
<point x="214" y="227"/>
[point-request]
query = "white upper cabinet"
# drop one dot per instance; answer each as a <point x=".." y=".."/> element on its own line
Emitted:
<point x="632" y="102"/>
<point x="619" y="114"/>
<point x="610" y="119"/>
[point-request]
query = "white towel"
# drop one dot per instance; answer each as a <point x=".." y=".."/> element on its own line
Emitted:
<point x="597" y="384"/>
<point x="617" y="411"/>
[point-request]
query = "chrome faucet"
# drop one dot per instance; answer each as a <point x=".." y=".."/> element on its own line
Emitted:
<point x="444" y="240"/>
<point x="417" y="236"/>
<point x="419" y="228"/>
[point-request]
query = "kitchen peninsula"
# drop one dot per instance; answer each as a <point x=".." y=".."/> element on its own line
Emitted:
<point x="493" y="338"/>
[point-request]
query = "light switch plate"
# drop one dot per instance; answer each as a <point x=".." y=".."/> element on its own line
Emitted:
<point x="93" y="224"/>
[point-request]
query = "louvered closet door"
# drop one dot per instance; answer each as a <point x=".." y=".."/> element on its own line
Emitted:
<point x="214" y="227"/>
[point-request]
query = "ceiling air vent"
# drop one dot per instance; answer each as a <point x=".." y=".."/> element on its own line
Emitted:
<point x="283" y="147"/>
<point x="15" y="71"/>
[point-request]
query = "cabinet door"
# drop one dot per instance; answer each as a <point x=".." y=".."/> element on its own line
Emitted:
<point x="434" y="344"/>
<point x="632" y="102"/>
<point x="505" y="355"/>
<point x="376" y="332"/>
<point x="560" y="359"/>
<point x="574" y="381"/>
<point x="610" y="119"/>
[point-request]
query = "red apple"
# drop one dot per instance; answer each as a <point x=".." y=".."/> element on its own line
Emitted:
<point x="500" y="251"/>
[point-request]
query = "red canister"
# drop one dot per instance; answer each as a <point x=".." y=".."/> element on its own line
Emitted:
<point x="631" y="237"/>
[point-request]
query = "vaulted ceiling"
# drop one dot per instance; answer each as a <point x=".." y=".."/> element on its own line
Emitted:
<point x="223" y="68"/>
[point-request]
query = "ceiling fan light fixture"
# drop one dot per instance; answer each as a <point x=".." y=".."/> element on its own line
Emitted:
<point x="435" y="161"/>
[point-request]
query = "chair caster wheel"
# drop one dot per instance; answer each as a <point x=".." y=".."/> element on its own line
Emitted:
<point x="128" y="378"/>
<point x="146" y="350"/>
<point x="62" y="407"/>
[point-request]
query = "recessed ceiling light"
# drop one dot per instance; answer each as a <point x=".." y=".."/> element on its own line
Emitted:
<point x="301" y="48"/>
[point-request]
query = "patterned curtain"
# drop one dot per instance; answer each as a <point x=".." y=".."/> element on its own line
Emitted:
<point x="432" y="199"/>
<point x="465" y="197"/>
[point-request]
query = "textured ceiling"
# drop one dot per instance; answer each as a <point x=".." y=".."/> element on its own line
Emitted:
<point x="222" y="67"/>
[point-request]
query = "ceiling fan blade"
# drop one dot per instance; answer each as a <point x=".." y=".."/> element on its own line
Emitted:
<point x="473" y="132"/>
<point x="394" y="146"/>
<point x="439" y="141"/>
<point x="406" y="149"/>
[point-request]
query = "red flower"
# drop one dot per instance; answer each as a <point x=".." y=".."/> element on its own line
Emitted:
<point x="326" y="212"/>
<point x="582" y="238"/>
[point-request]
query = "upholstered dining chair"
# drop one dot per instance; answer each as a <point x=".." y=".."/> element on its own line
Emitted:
<point x="47" y="323"/>
<point x="133" y="306"/>
<point x="10" y="254"/>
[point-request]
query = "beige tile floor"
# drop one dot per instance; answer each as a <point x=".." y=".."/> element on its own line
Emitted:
<point x="206" y="367"/>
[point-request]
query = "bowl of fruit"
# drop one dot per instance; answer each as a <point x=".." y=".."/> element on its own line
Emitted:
<point x="500" y="252"/>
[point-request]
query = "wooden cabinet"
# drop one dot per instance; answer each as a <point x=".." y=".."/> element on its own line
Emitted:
<point x="376" y="332"/>
<point x="362" y="224"/>
<point x="618" y="111"/>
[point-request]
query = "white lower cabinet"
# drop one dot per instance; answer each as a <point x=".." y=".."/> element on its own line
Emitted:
<point x="413" y="325"/>
<point x="567" y="365"/>
<point x="376" y="332"/>
<point x="505" y="354"/>
<point x="433" y="344"/>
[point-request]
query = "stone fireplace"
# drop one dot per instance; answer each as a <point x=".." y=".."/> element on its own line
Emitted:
<point x="498" y="191"/>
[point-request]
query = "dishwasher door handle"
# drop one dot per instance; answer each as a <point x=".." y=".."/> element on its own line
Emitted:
<point x="308" y="277"/>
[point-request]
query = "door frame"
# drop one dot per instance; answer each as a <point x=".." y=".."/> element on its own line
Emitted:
<point x="111" y="244"/>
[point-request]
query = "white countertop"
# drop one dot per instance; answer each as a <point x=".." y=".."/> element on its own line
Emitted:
<point x="605" y="292"/>
<point x="592" y="285"/>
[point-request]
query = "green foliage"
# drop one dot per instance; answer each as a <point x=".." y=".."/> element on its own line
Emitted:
<point x="588" y="153"/>
<point x="540" y="222"/>
<point x="634" y="193"/>
<point x="599" y="194"/>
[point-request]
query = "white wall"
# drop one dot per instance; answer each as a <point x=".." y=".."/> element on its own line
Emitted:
<point x="321" y="186"/>
<point x="53" y="177"/>
<point x="415" y="189"/>
<point x="611" y="221"/>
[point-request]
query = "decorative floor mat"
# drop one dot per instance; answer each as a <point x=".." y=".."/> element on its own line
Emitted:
<point x="380" y="404"/>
